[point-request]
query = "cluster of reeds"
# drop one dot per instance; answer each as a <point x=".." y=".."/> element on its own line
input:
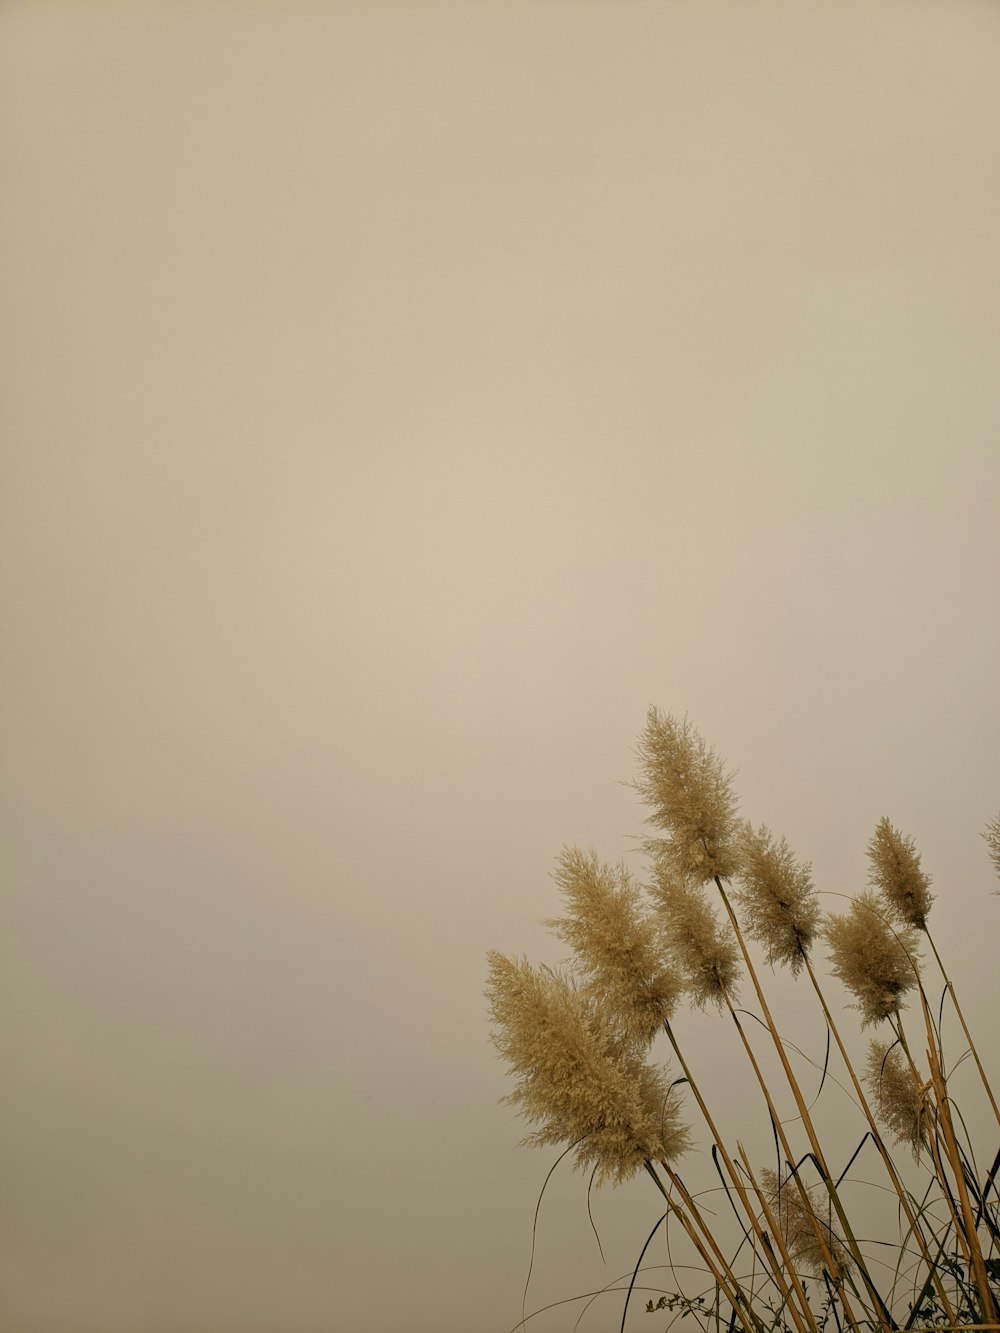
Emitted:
<point x="722" y="896"/>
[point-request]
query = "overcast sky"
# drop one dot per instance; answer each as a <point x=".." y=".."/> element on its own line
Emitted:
<point x="397" y="400"/>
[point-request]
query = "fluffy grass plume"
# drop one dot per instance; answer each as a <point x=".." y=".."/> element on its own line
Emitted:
<point x="895" y="873"/>
<point x="899" y="1103"/>
<point x="618" y="948"/>
<point x="703" y="948"/>
<point x="798" y="1222"/>
<point x="692" y="799"/>
<point x="576" y="1078"/>
<point x="780" y="907"/>
<point x="873" y="961"/>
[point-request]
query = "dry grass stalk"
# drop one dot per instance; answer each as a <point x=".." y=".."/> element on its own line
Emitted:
<point x="968" y="1229"/>
<point x="913" y="1220"/>
<point x="905" y="891"/>
<point x="701" y="1237"/>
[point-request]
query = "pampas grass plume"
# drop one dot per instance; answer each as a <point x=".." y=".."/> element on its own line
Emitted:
<point x="798" y="1222"/>
<point x="875" y="962"/>
<point x="618" y="948"/>
<point x="704" y="950"/>
<point x="899" y="1102"/>
<point x="576" y="1078"/>
<point x="692" y="799"/>
<point x="780" y="908"/>
<point x="895" y="873"/>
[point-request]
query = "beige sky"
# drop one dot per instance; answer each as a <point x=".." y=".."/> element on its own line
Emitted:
<point x="398" y="399"/>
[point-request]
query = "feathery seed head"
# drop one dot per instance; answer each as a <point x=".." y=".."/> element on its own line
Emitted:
<point x="798" y="1222"/>
<point x="895" y="872"/>
<point x="576" y="1078"/>
<point x="992" y="836"/>
<point x="704" y="949"/>
<point x="874" y="961"/>
<point x="619" y="949"/>
<point x="900" y="1103"/>
<point x="777" y="896"/>
<point x="692" y="798"/>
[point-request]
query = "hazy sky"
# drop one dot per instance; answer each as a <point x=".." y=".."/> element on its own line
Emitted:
<point x="397" y="400"/>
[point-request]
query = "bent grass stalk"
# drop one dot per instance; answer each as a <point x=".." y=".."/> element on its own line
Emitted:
<point x="948" y="1132"/>
<point x="915" y="1229"/>
<point x="965" y="1029"/>
<point x="834" y="1269"/>
<point x="885" y="1322"/>
<point x="797" y="1310"/>
<point x="960" y="1216"/>
<point x="722" y="1274"/>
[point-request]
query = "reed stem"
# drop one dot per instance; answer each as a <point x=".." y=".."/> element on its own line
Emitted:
<point x="885" y="1318"/>
<point x="741" y="1191"/>
<point x="965" y="1029"/>
<point x="915" y="1229"/>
